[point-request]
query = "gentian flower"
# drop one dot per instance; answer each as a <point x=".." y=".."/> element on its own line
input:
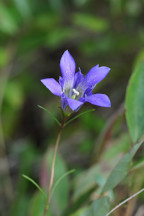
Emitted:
<point x="74" y="88"/>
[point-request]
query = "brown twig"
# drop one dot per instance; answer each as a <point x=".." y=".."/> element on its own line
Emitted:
<point x="53" y="169"/>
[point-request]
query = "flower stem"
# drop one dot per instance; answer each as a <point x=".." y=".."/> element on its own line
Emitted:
<point x="53" y="169"/>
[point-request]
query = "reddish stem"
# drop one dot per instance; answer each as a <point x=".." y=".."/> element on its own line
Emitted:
<point x="53" y="169"/>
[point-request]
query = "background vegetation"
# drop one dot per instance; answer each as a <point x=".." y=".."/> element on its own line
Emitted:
<point x="33" y="36"/>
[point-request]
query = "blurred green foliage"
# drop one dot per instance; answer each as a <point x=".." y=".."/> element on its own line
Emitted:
<point x="33" y="36"/>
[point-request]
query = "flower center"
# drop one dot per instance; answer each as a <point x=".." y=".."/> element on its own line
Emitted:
<point x="75" y="92"/>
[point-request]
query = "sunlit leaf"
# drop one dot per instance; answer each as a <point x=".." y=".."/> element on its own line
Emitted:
<point x="135" y="103"/>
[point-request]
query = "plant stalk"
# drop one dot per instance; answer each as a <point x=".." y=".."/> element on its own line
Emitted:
<point x="53" y="169"/>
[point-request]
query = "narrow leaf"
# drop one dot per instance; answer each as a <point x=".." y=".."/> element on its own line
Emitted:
<point x="121" y="169"/>
<point x="59" y="180"/>
<point x="33" y="182"/>
<point x="57" y="121"/>
<point x="77" y="116"/>
<point x="135" y="103"/>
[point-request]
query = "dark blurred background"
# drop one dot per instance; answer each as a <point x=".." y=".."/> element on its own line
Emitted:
<point x="33" y="36"/>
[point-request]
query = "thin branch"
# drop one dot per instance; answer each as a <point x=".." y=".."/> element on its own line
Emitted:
<point x="119" y="205"/>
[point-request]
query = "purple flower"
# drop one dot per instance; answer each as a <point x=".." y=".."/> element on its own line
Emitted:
<point x="74" y="88"/>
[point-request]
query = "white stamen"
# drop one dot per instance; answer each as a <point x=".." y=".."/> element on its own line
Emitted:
<point x="75" y="92"/>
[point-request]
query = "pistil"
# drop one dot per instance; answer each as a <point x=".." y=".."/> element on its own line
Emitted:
<point x="75" y="92"/>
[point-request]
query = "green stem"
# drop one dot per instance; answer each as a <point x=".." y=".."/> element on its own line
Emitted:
<point x="53" y="169"/>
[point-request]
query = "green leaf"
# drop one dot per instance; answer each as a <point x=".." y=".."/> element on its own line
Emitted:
<point x="96" y="125"/>
<point x="135" y="103"/>
<point x="90" y="22"/>
<point x="139" y="59"/>
<point x="20" y="205"/>
<point x="37" y="206"/>
<point x="98" y="208"/>
<point x="119" y="146"/>
<point x="57" y="121"/>
<point x="77" y="116"/>
<point x="56" y="5"/>
<point x="33" y="182"/>
<point x="79" y="212"/>
<point x="7" y="23"/>
<point x="28" y="156"/>
<point x="139" y="165"/>
<point x="59" y="35"/>
<point x="23" y="7"/>
<point x="94" y="176"/>
<point x="4" y="57"/>
<point x="59" y="180"/>
<point x="121" y="170"/>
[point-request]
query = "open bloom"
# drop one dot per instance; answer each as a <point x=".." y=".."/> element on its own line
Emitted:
<point x="74" y="88"/>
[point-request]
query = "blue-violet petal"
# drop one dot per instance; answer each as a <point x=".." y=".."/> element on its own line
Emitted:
<point x="67" y="66"/>
<point x="78" y="78"/>
<point x="99" y="100"/>
<point x="95" y="75"/>
<point x="74" y="104"/>
<point x="53" y="86"/>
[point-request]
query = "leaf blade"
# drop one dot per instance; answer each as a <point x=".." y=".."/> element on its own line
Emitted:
<point x="33" y="182"/>
<point x="135" y="103"/>
<point x="121" y="169"/>
<point x="75" y="117"/>
<point x="98" y="208"/>
<point x="52" y="116"/>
